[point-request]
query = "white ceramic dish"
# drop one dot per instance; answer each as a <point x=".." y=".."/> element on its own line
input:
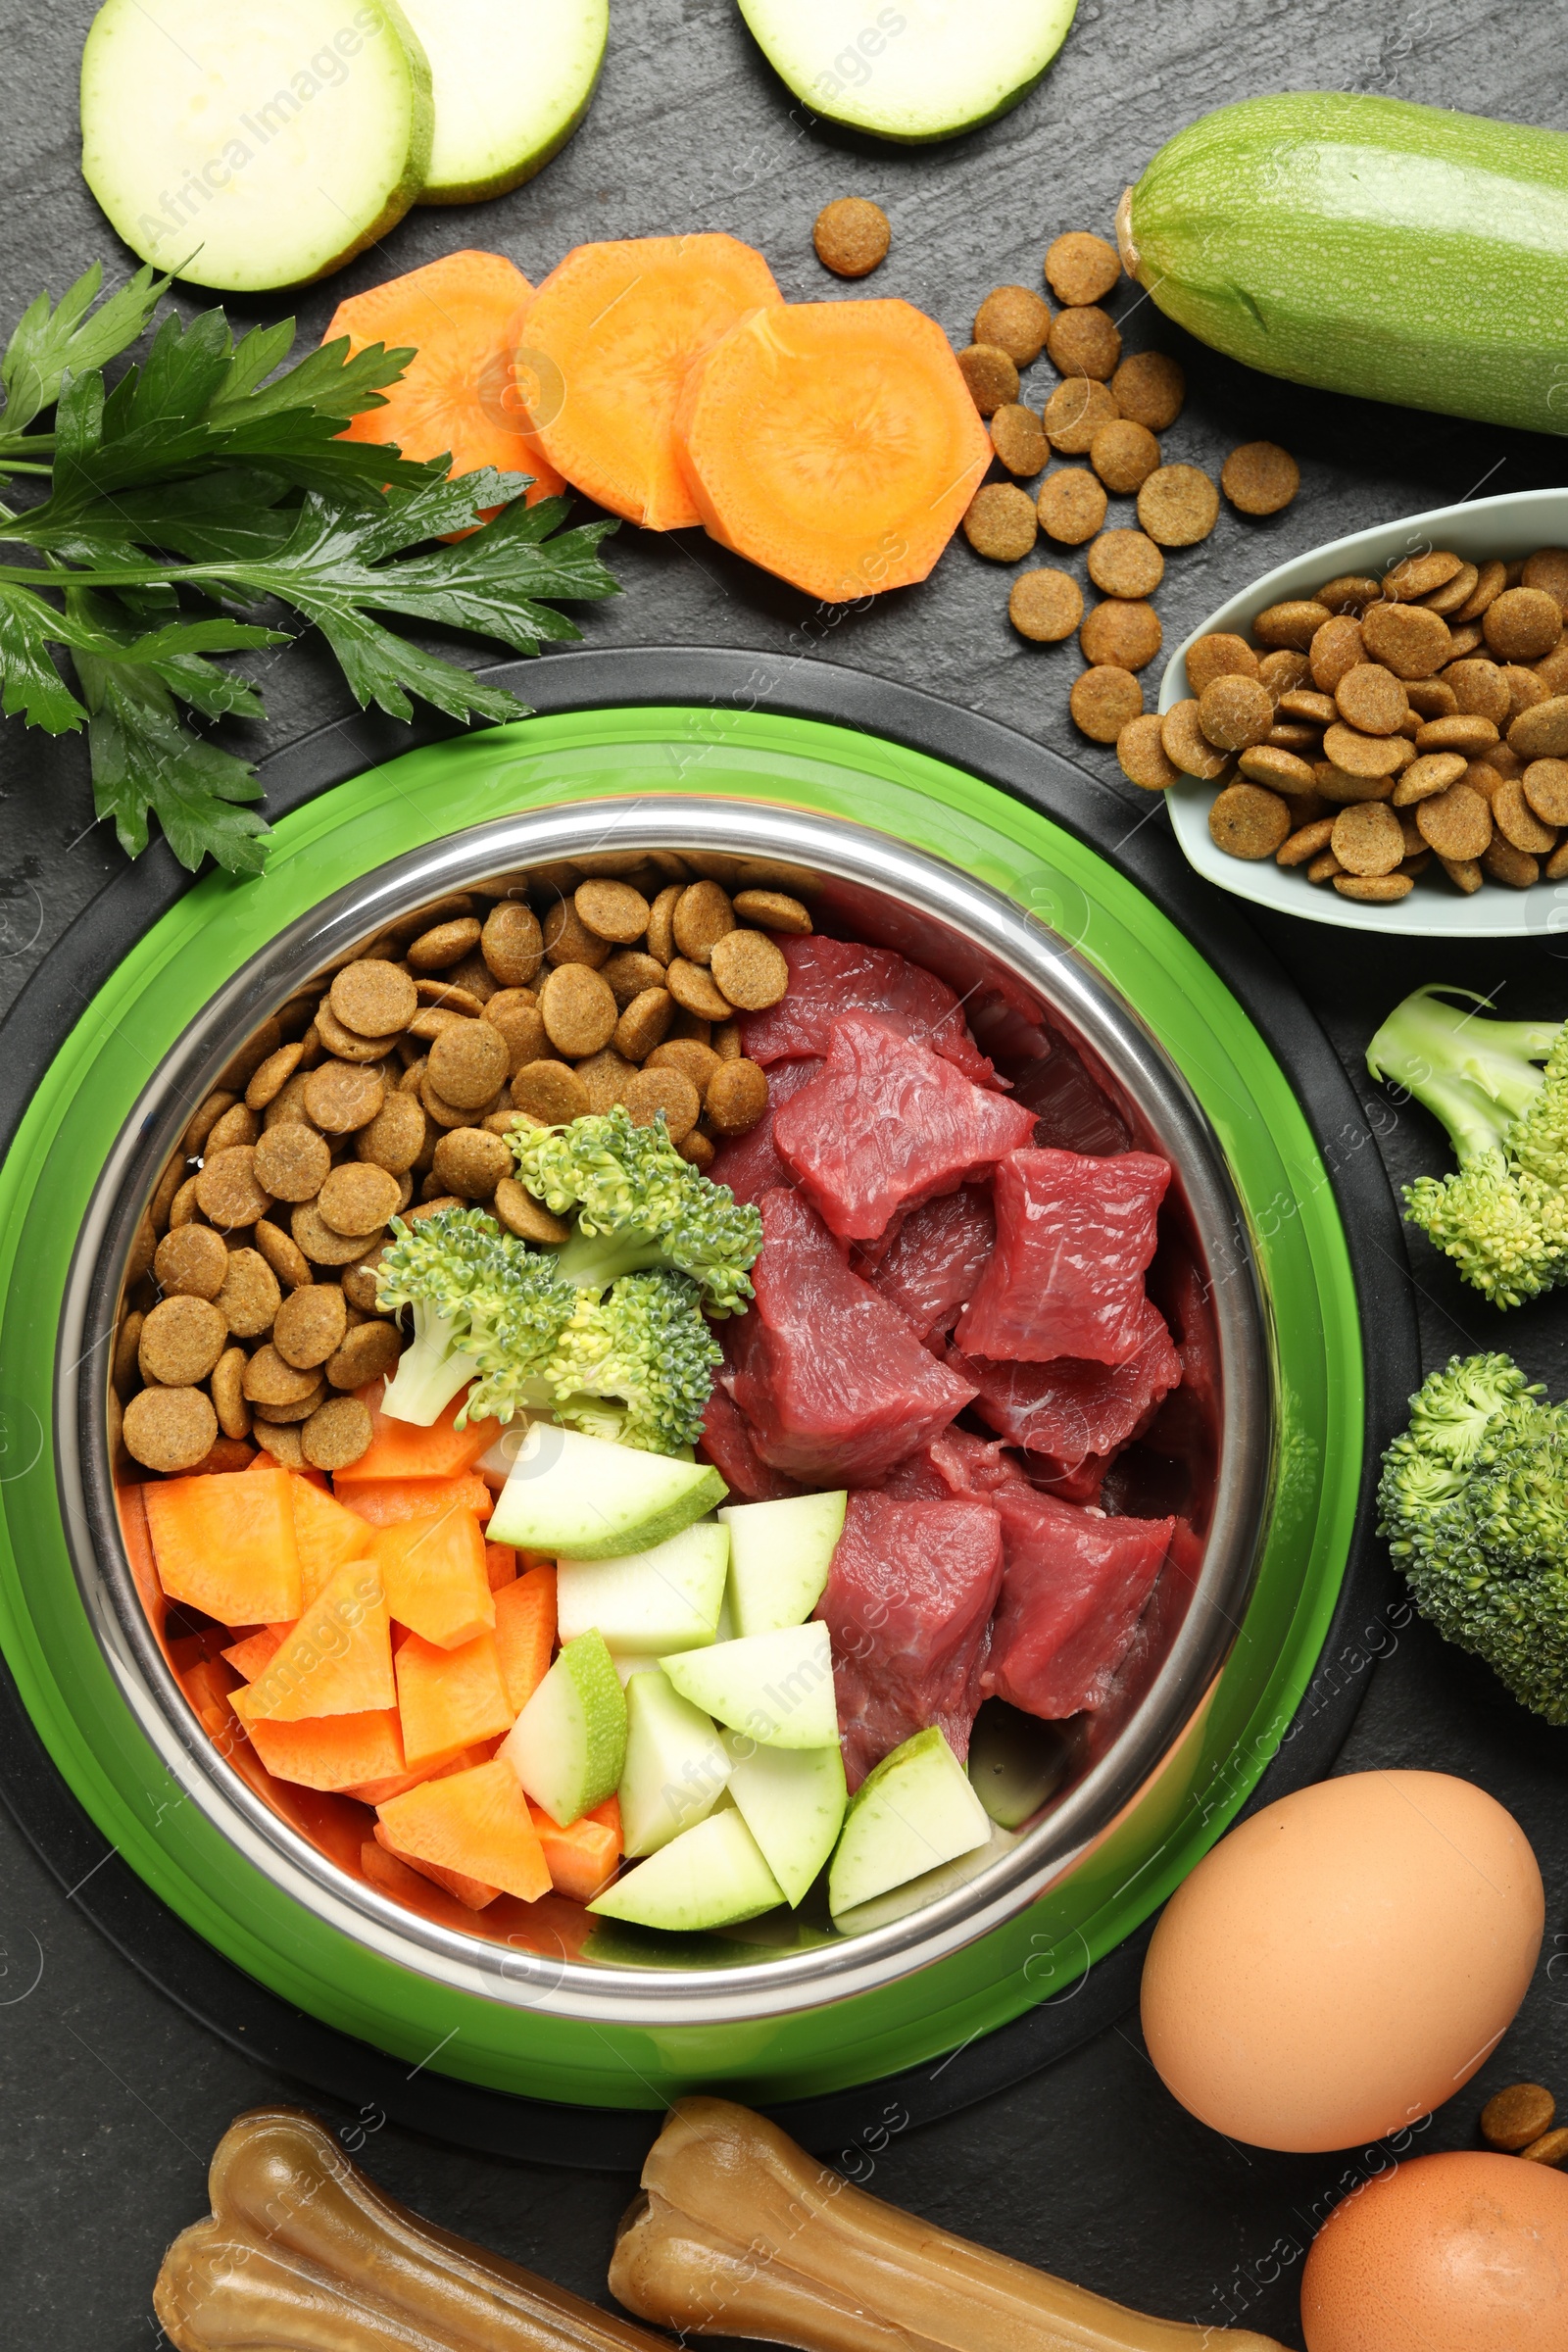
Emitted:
<point x="1489" y="527"/>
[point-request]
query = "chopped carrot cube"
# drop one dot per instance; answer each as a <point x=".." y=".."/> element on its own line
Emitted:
<point x="139" y="1544"/>
<point x="500" y="1564"/>
<point x="336" y="1661"/>
<point x="584" y="1856"/>
<point x="325" y="1536"/>
<point x="384" y="1501"/>
<point x="432" y="1573"/>
<point x="525" y="1632"/>
<point x="331" y="1751"/>
<point x="226" y="1545"/>
<point x="475" y="1893"/>
<point x="476" y="1822"/>
<point x="399" y="1449"/>
<point x="252" y="1656"/>
<point x="449" y="1698"/>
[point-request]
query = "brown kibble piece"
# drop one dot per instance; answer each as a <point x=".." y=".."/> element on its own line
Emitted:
<point x="1245" y="821"/>
<point x="612" y="911"/>
<point x="511" y="942"/>
<point x="1460" y="731"/>
<point x="1425" y="776"/>
<point x="282" y="1443"/>
<point x="240" y="1125"/>
<point x="1551" y="2148"/>
<point x="357" y="1197"/>
<point x="1511" y="2119"/>
<point x="1075" y="413"/>
<point x="340" y="1099"/>
<point x="1526" y="688"/>
<point x="1186" y="745"/>
<point x="1359" y="755"/>
<point x="852" y="235"/>
<point x="662" y="922"/>
<point x="191" y="1262"/>
<point x="736" y="1097"/>
<point x="1542" y="733"/>
<point x="1491" y="579"/>
<point x="1260" y="477"/>
<point x="444" y="944"/>
<point x="1278" y="769"/>
<point x="1142" y="755"/>
<point x="1044" y="606"/>
<point x="373" y="999"/>
<point x="999" y="524"/>
<point x="1372" y="699"/>
<point x="1522" y="625"/>
<point x="1518" y="822"/>
<point x="181" y="1210"/>
<point x="359" y="1279"/>
<point x="991" y="376"/>
<point x="1234" y="712"/>
<point x="702" y="916"/>
<point x="394" y="1137"/>
<point x="1406" y="638"/>
<point x="170" y="1429"/>
<point x="1517" y="868"/>
<point x="1545" y="787"/>
<point x="124" y="1374"/>
<point x="1125" y="564"/>
<point x="569" y="940"/>
<point x="336" y="1434"/>
<point x="292" y="1161"/>
<point x="270" y="1379"/>
<point x="309" y="1325"/>
<point x="549" y="1091"/>
<point x="527" y="1217"/>
<point x="281" y="1257"/>
<point x="1336" y="647"/>
<point x="1122" y="632"/>
<point x="1013" y="319"/>
<point x="1548" y="571"/>
<point x="451" y="1114"/>
<point x="471" y="1162"/>
<point x="1305" y="703"/>
<point x="644" y="1023"/>
<point x="697" y="1148"/>
<point x="1465" y="873"/>
<point x="694" y="990"/>
<point x="204" y="1119"/>
<point x="666" y="1091"/>
<point x="698" y="1061"/>
<point x="630" y="973"/>
<point x="1081" y="267"/>
<point x="1463" y="641"/>
<point x="578" y="1010"/>
<point x="1367" y="839"/>
<point x="1416" y="577"/>
<point x="1431" y="698"/>
<point x="1554" y="671"/>
<point x="1220" y="655"/>
<point x="321" y="1243"/>
<point x="773" y="910"/>
<point x="1103" y="699"/>
<point x="228" y="1395"/>
<point x="251" y="1296"/>
<point x="1340" y="789"/>
<point x="604" y="1075"/>
<point x="1295" y="623"/>
<point x="344" y="1043"/>
<point x="1178" y="506"/>
<point x="1456" y="823"/>
<point x="1349" y="592"/>
<point x="181" y="1340"/>
<point x="271" y="1077"/>
<point x="1324" y="867"/>
<point x="1083" y="341"/>
<point x="1124" y="455"/>
<point x="1149" y="388"/>
<point x="469" y="1061"/>
<point x="1305" y="843"/>
<point x="1291" y="735"/>
<point x="1381" y="890"/>
<point x="262" y="1041"/>
<point x="514" y="1012"/>
<point x="369" y="1352"/>
<point x="1019" y="439"/>
<point x="228" y="1192"/>
<point x="1478" y="687"/>
<point x="1454" y="594"/>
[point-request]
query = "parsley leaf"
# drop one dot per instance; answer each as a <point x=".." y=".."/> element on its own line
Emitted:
<point x="71" y="338"/>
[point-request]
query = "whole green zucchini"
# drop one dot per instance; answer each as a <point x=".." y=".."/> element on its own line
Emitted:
<point x="1367" y="246"/>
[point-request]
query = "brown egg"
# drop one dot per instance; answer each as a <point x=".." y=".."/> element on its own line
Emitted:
<point x="1342" y="1963"/>
<point x="1462" y="2253"/>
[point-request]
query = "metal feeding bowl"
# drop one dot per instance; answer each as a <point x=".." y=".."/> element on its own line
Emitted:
<point x="1039" y="1008"/>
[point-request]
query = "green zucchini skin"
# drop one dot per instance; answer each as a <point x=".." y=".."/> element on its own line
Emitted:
<point x="1364" y="245"/>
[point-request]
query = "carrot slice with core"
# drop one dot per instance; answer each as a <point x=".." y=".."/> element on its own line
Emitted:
<point x="613" y="329"/>
<point x="833" y="442"/>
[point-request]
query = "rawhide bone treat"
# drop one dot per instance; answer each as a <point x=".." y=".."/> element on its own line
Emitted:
<point x="739" y="2233"/>
<point x="303" y="2253"/>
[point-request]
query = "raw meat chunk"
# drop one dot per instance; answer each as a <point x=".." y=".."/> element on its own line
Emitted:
<point x="832" y="977"/>
<point x="833" y="1383"/>
<point x="1070" y="1407"/>
<point x="1073" y="1114"/>
<point x="1074" y="1236"/>
<point x="936" y="1257"/>
<point x="1073" y="1589"/>
<point x="908" y="1605"/>
<point x="887" y="1124"/>
<point x="954" y="1462"/>
<point x="750" y="1166"/>
<point x="727" y="1442"/>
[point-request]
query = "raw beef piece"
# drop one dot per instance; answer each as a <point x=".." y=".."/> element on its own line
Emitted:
<point x="834" y="1384"/>
<point x="954" y="1462"/>
<point x="750" y="1166"/>
<point x="887" y="1124"/>
<point x="832" y="977"/>
<point x="1073" y="1589"/>
<point x="1070" y="1407"/>
<point x="1073" y="1114"/>
<point x="935" y="1258"/>
<point x="1074" y="1236"/>
<point x="908" y="1605"/>
<point x="727" y="1442"/>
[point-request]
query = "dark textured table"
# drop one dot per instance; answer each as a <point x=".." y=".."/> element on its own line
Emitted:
<point x="111" y="2100"/>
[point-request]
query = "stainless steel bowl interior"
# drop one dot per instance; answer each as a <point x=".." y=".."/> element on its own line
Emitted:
<point x="1035" y="1005"/>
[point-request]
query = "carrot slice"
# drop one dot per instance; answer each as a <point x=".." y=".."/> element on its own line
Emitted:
<point x="226" y="1545"/>
<point x="253" y="1656"/>
<point x="396" y="1783"/>
<point x="399" y="1449"/>
<point x="462" y="394"/>
<point x="449" y="1698"/>
<point x="331" y="1751"/>
<point x="138" y="1542"/>
<point x="325" y="1536"/>
<point x="474" y="1894"/>
<point x="432" y="1573"/>
<point x="582" y="1857"/>
<point x="525" y="1632"/>
<point x="309" y="1477"/>
<point x="833" y="442"/>
<point x="476" y="1822"/>
<point x="614" y="327"/>
<point x="336" y="1661"/>
<point x="500" y="1564"/>
<point x="384" y="1501"/>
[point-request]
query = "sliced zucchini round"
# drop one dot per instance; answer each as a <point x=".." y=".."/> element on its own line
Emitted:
<point x="512" y="79"/>
<point x="910" y="70"/>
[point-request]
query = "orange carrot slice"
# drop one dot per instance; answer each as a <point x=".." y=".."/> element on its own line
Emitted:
<point x="226" y="1545"/>
<point x="584" y="1856"/>
<point x="252" y="1656"/>
<point x="325" y="1535"/>
<point x="614" y="327"/>
<point x="500" y="1564"/>
<point x="525" y="1632"/>
<point x="449" y="1698"/>
<point x="432" y="1573"/>
<point x="336" y="1661"/>
<point x="476" y="1822"/>
<point x="833" y="442"/>
<point x="462" y="394"/>
<point x="139" y="1544"/>
<point x="310" y="1478"/>
<point x="474" y="1894"/>
<point x="376" y="1793"/>
<point x="384" y="1501"/>
<point x="397" y="1450"/>
<point x="333" y="1752"/>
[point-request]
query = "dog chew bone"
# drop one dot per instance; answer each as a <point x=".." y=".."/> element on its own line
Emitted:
<point x="739" y="2233"/>
<point x="303" y="2253"/>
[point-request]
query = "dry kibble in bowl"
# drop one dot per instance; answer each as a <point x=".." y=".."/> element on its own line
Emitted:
<point x="191" y="1261"/>
<point x="1235" y="712"/>
<point x="1367" y="839"/>
<point x="170" y="1429"/>
<point x="1372" y="699"/>
<point x="612" y="911"/>
<point x="1220" y="655"/>
<point x="749" y="970"/>
<point x="1522" y="625"/>
<point x="579" y="1009"/>
<point x="1247" y="821"/>
<point x="512" y="943"/>
<point x="1187" y="747"/>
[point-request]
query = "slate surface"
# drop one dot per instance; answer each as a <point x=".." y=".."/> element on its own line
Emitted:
<point x="112" y="2102"/>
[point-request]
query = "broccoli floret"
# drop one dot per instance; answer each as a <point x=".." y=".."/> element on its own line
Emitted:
<point x="1473" y="1501"/>
<point x="645" y="1344"/>
<point x="486" y="1308"/>
<point x="1503" y="1216"/>
<point x="638" y="1206"/>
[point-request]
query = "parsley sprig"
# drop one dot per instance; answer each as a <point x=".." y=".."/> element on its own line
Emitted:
<point x="206" y="474"/>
